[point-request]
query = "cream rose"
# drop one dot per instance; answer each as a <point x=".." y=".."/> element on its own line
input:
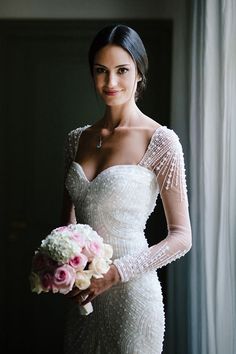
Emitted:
<point x="82" y="280"/>
<point x="99" y="266"/>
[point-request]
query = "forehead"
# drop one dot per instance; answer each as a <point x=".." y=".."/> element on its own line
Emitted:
<point x="113" y="55"/>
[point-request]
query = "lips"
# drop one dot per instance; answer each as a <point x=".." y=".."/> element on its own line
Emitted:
<point x="111" y="92"/>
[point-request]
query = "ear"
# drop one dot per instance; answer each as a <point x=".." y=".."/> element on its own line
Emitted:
<point x="139" y="78"/>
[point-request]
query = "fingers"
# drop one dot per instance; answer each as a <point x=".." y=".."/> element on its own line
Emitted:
<point x="85" y="297"/>
<point x="74" y="292"/>
<point x="96" y="287"/>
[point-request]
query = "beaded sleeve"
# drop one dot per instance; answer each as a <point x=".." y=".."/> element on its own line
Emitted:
<point x="165" y="157"/>
<point x="71" y="147"/>
<point x="70" y="152"/>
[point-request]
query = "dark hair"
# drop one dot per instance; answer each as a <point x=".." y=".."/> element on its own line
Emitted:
<point x="129" y="40"/>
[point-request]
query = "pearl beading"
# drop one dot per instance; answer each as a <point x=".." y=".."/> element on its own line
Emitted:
<point x="166" y="158"/>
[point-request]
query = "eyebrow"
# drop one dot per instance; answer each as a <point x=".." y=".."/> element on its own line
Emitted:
<point x="118" y="66"/>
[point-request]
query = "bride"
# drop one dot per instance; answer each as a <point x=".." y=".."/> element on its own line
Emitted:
<point x="115" y="169"/>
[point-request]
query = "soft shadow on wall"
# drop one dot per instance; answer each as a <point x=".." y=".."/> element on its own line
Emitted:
<point x="46" y="91"/>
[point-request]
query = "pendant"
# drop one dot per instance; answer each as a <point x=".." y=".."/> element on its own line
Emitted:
<point x="99" y="144"/>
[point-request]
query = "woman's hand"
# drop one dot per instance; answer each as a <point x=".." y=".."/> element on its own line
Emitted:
<point x="96" y="287"/>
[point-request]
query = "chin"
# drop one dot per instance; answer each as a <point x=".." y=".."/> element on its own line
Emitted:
<point x="116" y="104"/>
<point x="115" y="101"/>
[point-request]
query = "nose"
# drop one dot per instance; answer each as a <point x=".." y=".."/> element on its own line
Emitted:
<point x="111" y="80"/>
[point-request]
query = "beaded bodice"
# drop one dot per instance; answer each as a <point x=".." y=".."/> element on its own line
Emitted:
<point x="119" y="200"/>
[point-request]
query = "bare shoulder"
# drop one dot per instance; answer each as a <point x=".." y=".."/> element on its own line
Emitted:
<point x="149" y="126"/>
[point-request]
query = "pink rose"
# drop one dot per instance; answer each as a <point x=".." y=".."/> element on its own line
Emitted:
<point x="63" y="280"/>
<point x="78" y="262"/>
<point x="92" y="249"/>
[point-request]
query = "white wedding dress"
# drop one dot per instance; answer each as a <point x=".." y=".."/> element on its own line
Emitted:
<point x="129" y="317"/>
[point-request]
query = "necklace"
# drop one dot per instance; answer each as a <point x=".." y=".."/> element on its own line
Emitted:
<point x="99" y="145"/>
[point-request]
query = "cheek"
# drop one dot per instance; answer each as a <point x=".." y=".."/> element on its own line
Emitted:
<point x="98" y="82"/>
<point x="130" y="83"/>
<point x="130" y="78"/>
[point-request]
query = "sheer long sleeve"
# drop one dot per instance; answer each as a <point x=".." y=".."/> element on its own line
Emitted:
<point x="165" y="157"/>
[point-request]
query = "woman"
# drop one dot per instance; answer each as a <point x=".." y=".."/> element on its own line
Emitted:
<point x="115" y="170"/>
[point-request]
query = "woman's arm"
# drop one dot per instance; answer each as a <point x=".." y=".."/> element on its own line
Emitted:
<point x="68" y="210"/>
<point x="166" y="160"/>
<point x="175" y="245"/>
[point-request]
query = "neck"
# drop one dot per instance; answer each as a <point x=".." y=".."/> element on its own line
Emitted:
<point x="120" y="116"/>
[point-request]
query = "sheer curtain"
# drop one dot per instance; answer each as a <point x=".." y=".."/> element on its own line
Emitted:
<point x="213" y="178"/>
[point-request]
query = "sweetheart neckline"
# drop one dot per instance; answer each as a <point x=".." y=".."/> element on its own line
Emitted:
<point x="111" y="167"/>
<point x="108" y="168"/>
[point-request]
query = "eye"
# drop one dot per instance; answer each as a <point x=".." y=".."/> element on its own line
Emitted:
<point x="99" y="70"/>
<point x="122" y="71"/>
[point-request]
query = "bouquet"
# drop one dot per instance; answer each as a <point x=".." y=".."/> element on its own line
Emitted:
<point x="69" y="257"/>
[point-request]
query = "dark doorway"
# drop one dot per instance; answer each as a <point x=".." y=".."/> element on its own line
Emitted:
<point x="46" y="91"/>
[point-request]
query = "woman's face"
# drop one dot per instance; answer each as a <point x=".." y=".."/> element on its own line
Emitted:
<point x="115" y="75"/>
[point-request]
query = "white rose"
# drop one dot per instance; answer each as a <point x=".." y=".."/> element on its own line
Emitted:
<point x="82" y="280"/>
<point x="99" y="266"/>
<point x="107" y="251"/>
<point x="93" y="236"/>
